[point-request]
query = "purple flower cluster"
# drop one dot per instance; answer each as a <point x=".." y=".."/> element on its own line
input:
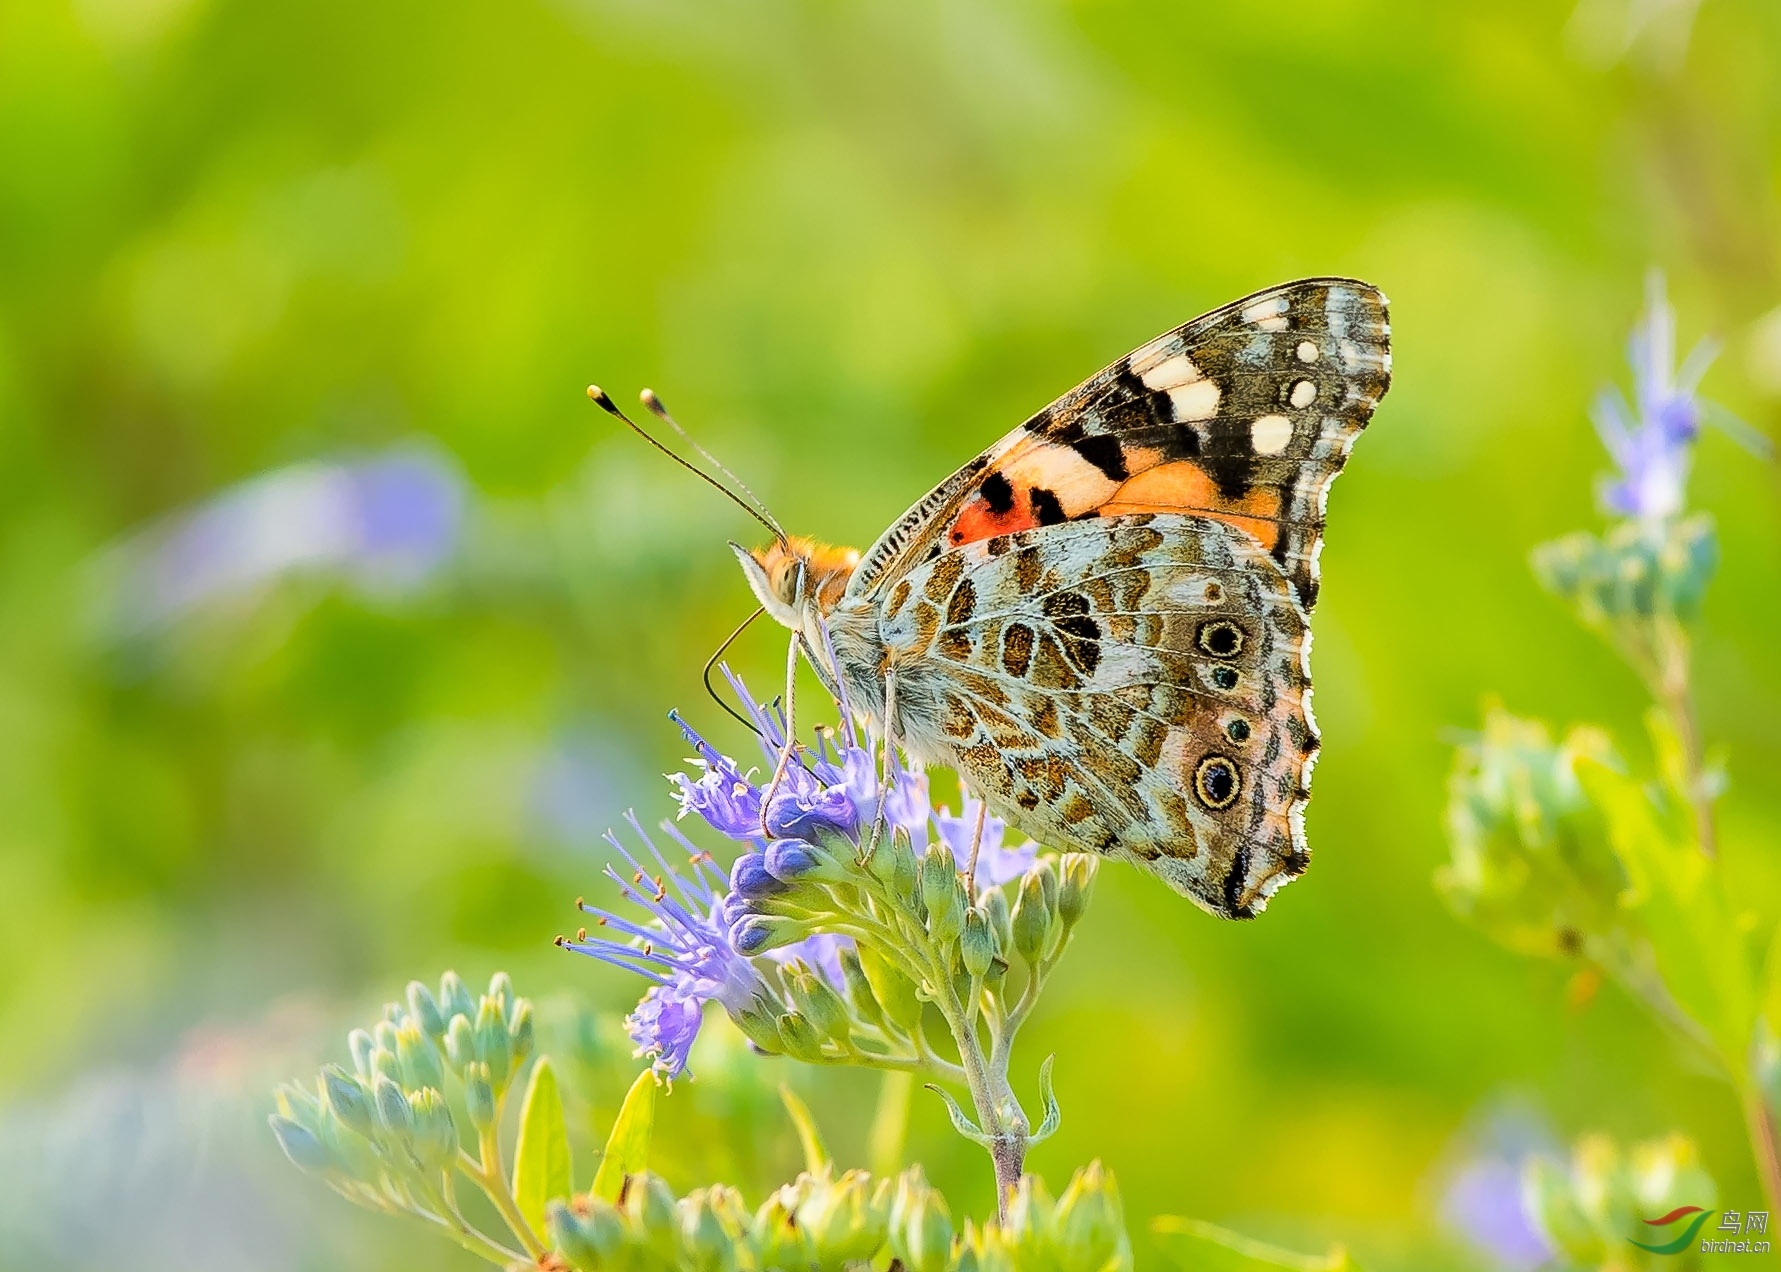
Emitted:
<point x="1651" y="439"/>
<point x="700" y="937"/>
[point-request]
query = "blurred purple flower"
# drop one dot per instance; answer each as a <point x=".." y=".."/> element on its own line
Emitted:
<point x="1651" y="439"/>
<point x="1482" y="1196"/>
<point x="385" y="524"/>
<point x="997" y="862"/>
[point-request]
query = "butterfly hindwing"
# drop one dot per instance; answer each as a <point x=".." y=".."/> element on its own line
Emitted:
<point x="1244" y="415"/>
<point x="1131" y="685"/>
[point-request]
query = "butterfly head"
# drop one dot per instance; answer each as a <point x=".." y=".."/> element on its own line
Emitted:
<point x="790" y="576"/>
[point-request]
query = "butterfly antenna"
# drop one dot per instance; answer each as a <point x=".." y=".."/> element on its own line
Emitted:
<point x="606" y="404"/>
<point x="711" y="662"/>
<point x="654" y="405"/>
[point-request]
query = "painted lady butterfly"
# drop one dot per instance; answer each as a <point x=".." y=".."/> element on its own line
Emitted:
<point x="1103" y="621"/>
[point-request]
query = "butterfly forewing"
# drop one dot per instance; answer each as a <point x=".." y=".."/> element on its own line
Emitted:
<point x="1244" y="415"/>
<point x="1129" y="685"/>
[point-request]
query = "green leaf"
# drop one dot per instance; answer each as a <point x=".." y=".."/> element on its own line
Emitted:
<point x="1195" y="1244"/>
<point x="541" y="1171"/>
<point x="627" y="1148"/>
<point x="816" y="1154"/>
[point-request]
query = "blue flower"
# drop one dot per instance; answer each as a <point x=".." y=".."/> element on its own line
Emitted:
<point x="683" y="947"/>
<point x="1651" y="439"/>
<point x="727" y="801"/>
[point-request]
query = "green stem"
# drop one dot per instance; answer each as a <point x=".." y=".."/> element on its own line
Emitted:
<point x="491" y="1177"/>
<point x="1761" y="1125"/>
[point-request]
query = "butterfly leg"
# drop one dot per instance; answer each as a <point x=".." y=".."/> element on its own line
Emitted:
<point x="976" y="843"/>
<point x="791" y="732"/>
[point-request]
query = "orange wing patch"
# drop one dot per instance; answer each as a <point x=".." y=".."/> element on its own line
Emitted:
<point x="1183" y="486"/>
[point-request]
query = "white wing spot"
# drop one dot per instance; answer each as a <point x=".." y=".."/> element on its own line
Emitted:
<point x="1171" y="373"/>
<point x="1196" y="401"/>
<point x="1269" y="314"/>
<point x="1307" y="351"/>
<point x="1270" y="434"/>
<point x="1304" y="393"/>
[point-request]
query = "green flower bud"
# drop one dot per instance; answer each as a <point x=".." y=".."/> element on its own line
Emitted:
<point x="921" y="1225"/>
<point x="588" y="1231"/>
<point x="523" y="1032"/>
<point x="648" y="1203"/>
<point x="384" y="1064"/>
<point x="454" y="999"/>
<point x="394" y="1014"/>
<point x="393" y="1110"/>
<point x="1077" y="886"/>
<point x="300" y="1106"/>
<point x="1091" y="1222"/>
<point x="759" y="1023"/>
<point x="301" y="1145"/>
<point x="361" y="1044"/>
<point x="435" y="1134"/>
<point x="494" y="1045"/>
<point x="977" y="943"/>
<point x="349" y="1100"/>
<point x="711" y="1223"/>
<point x="994" y="903"/>
<point x="777" y="1236"/>
<point x="1667" y="1173"/>
<point x="501" y="990"/>
<point x="423" y="1011"/>
<point x="798" y="1037"/>
<point x="859" y="990"/>
<point x="1032" y="916"/>
<point x="895" y="991"/>
<point x="460" y="1042"/>
<point x="819" y="1003"/>
<point x="418" y="1058"/>
<point x="479" y="1095"/>
<point x="384" y="1034"/>
<point x="944" y="896"/>
<point x="840" y="1222"/>
<point x="1032" y="1216"/>
<point x="985" y="1249"/>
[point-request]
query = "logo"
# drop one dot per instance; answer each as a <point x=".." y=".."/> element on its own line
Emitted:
<point x="1685" y="1223"/>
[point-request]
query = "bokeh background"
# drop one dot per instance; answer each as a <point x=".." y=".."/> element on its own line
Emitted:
<point x="335" y="624"/>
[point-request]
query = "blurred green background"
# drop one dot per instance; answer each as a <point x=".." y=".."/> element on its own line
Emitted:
<point x="367" y="719"/>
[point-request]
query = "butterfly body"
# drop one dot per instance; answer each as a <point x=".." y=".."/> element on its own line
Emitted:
<point x="1102" y="622"/>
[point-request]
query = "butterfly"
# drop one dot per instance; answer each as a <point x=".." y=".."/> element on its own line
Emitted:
<point x="1102" y="622"/>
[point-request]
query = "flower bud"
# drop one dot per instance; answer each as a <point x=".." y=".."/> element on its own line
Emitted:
<point x="1031" y="1223"/>
<point x="894" y="864"/>
<point x="977" y="943"/>
<point x="588" y="1231"/>
<point x="994" y="903"/>
<point x="418" y="1058"/>
<point x="759" y="1023"/>
<point x="895" y="992"/>
<point x="759" y="933"/>
<point x="479" y="1095"/>
<point x="1077" y="886"/>
<point x="839" y="1221"/>
<point x="777" y="1237"/>
<point x="751" y="880"/>
<point x="348" y="1098"/>
<point x="394" y="1110"/>
<point x="799" y="1038"/>
<point x="435" y="1134"/>
<point x="361" y="1044"/>
<point x="454" y="999"/>
<point x="494" y="1045"/>
<point x="1091" y="1221"/>
<point x="818" y="1001"/>
<point x="423" y="1011"/>
<point x="460" y="1042"/>
<point x="1032" y="916"/>
<point x="791" y="861"/>
<point x="859" y="989"/>
<point x="384" y="1064"/>
<point x="300" y="1145"/>
<point x="522" y="1031"/>
<point x="923" y="1237"/>
<point x="943" y="895"/>
<point x="648" y="1203"/>
<point x="711" y="1223"/>
<point x="501" y="990"/>
<point x="298" y="1104"/>
<point x="384" y="1034"/>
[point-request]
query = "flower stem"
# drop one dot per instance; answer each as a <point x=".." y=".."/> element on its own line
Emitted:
<point x="1671" y="688"/>
<point x="1761" y="1125"/>
<point x="489" y="1176"/>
